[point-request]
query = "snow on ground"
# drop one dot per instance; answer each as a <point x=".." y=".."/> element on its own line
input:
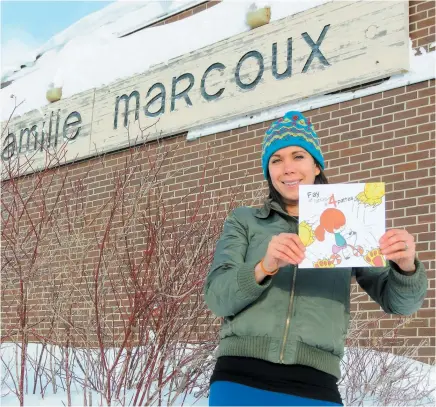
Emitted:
<point x="375" y="375"/>
<point x="47" y="367"/>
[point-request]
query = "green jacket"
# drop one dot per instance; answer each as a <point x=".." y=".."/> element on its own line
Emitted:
<point x="296" y="316"/>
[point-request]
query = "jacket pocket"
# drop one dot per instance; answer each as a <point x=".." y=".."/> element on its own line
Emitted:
<point x="322" y="308"/>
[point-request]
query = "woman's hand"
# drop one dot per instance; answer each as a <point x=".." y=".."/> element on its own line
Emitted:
<point x="398" y="245"/>
<point x="283" y="249"/>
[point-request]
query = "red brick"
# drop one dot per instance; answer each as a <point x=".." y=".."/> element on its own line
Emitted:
<point x="406" y="167"/>
<point x="423" y="128"/>
<point x="382" y="120"/>
<point x="422" y="351"/>
<point x="418" y="210"/>
<point x="350" y="118"/>
<point x="240" y="130"/>
<point x="341" y="112"/>
<point x="329" y="123"/>
<point x="395" y="125"/>
<point x="381" y="171"/>
<point x="426" y="40"/>
<point x="360" y="141"/>
<point x="339" y="162"/>
<point x="417" y="103"/>
<point x="427" y="163"/>
<point x="362" y="107"/>
<point x="371" y="98"/>
<point x="418" y="16"/>
<point x="384" y="102"/>
<point x="427" y="145"/>
<point x="405" y="114"/>
<point x="426" y="200"/>
<point x="427" y="181"/>
<point x="396" y="142"/>
<point x="372" y="130"/>
<point x="340" y="178"/>
<point x="350" y="151"/>
<point x="372" y="113"/>
<point x="426" y="5"/>
<point x="327" y="109"/>
<point x="372" y="147"/>
<point x="420" y="33"/>
<point x="406" y="221"/>
<point x="418" y="138"/>
<point x="417" y="174"/>
<point x="349" y="103"/>
<point x="406" y="96"/>
<point x="427" y="91"/>
<point x="394" y="177"/>
<point x="405" y="149"/>
<point x="426" y="110"/>
<point x="394" y="160"/>
<point x="392" y="92"/>
<point x="257" y="126"/>
<point x="331" y="155"/>
<point x="320" y="117"/>
<point x="339" y="129"/>
<point x="382" y="153"/>
<point x="360" y="125"/>
<point x="421" y="155"/>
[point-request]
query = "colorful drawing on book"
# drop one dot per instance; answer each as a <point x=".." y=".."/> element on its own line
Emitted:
<point x="333" y="229"/>
<point x="323" y="263"/>
<point x="333" y="221"/>
<point x="306" y="234"/>
<point x="371" y="197"/>
<point x="375" y="258"/>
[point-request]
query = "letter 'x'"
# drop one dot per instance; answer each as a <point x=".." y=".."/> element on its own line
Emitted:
<point x="315" y="48"/>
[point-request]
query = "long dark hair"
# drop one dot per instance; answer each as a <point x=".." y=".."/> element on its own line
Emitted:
<point x="275" y="196"/>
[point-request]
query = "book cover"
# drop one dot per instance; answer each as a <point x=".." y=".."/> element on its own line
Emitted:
<point x="341" y="224"/>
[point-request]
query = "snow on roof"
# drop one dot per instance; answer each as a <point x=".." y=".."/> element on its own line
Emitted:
<point x="93" y="52"/>
<point x="117" y="19"/>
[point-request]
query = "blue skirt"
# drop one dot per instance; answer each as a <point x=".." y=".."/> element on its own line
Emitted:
<point x="234" y="394"/>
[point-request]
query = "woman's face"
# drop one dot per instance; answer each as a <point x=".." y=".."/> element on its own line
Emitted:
<point x="290" y="167"/>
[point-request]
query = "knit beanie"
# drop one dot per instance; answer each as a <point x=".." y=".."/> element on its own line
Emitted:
<point x="292" y="130"/>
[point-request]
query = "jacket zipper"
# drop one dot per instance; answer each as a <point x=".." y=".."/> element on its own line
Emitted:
<point x="288" y="319"/>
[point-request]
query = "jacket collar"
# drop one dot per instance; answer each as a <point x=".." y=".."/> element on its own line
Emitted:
<point x="268" y="206"/>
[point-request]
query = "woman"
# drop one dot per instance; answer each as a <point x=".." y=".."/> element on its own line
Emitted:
<point x="283" y="330"/>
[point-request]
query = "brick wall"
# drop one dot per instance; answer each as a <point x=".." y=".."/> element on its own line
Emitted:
<point x="187" y="13"/>
<point x="422" y="24"/>
<point x="389" y="136"/>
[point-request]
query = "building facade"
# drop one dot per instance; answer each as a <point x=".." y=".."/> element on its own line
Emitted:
<point x="381" y="130"/>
